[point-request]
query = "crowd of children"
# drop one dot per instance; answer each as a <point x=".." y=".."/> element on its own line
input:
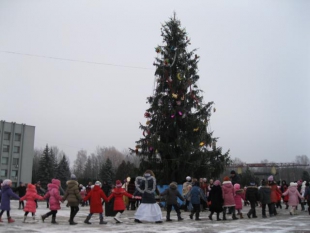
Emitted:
<point x="226" y="198"/>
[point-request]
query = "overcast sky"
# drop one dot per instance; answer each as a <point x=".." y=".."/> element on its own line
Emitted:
<point x="254" y="64"/>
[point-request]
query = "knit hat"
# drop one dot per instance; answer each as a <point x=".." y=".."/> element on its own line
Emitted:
<point x="6" y="182"/>
<point x="217" y="182"/>
<point x="118" y="184"/>
<point x="226" y="178"/>
<point x="292" y="184"/>
<point x="252" y="183"/>
<point x="299" y="182"/>
<point x="237" y="187"/>
<point x="204" y="179"/>
<point x="188" y="178"/>
<point x="270" y="178"/>
<point x="232" y="172"/>
<point x="98" y="183"/>
<point x="73" y="177"/>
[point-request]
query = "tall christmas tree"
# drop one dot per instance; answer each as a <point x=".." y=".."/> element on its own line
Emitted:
<point x="176" y="141"/>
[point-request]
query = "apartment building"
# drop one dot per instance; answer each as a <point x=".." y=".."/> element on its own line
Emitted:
<point x="17" y="151"/>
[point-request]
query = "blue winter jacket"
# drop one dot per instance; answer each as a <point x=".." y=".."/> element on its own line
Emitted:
<point x="196" y="194"/>
<point x="6" y="193"/>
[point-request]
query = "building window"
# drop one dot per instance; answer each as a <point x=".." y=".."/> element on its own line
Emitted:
<point x="4" y="173"/>
<point x="15" y="161"/>
<point x="18" y="137"/>
<point x="4" y="160"/>
<point x="14" y="173"/>
<point x="7" y="136"/>
<point x="16" y="149"/>
<point x="6" y="148"/>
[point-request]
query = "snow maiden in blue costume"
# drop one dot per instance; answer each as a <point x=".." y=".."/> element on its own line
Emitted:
<point x="148" y="210"/>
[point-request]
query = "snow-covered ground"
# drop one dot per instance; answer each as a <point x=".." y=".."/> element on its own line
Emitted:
<point x="279" y="224"/>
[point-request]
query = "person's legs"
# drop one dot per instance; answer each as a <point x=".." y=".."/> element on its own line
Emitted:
<point x="177" y="209"/>
<point x="169" y="208"/>
<point x="88" y="218"/>
<point x="54" y="212"/>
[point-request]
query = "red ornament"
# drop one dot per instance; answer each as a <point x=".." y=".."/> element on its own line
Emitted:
<point x="147" y="115"/>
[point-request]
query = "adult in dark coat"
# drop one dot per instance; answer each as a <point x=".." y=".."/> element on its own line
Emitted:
<point x="265" y="198"/>
<point x="6" y="194"/>
<point x="235" y="179"/>
<point x="172" y="194"/>
<point x="216" y="199"/>
<point x="252" y="196"/>
<point x="131" y="188"/>
<point x="21" y="189"/>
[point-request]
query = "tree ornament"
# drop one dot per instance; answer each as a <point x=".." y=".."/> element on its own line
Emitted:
<point x="201" y="144"/>
<point x="179" y="76"/>
<point x="214" y="109"/>
<point x="148" y="122"/>
<point x="160" y="102"/>
<point x="182" y="98"/>
<point x="138" y="146"/>
<point x="178" y="102"/>
<point x="166" y="61"/>
<point x="184" y="115"/>
<point x="196" y="56"/>
<point x="158" y="49"/>
<point x="175" y="96"/>
<point x="137" y="151"/>
<point x="147" y="115"/>
<point x="180" y="113"/>
<point x="195" y="130"/>
<point x="172" y="116"/>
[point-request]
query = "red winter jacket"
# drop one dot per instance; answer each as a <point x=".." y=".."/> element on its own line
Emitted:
<point x="95" y="196"/>
<point x="118" y="194"/>
<point x="275" y="193"/>
<point x="30" y="196"/>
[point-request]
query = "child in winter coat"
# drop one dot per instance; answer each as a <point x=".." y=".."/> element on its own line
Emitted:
<point x="31" y="196"/>
<point x="195" y="194"/>
<point x="83" y="195"/>
<point x="307" y="195"/>
<point x="6" y="194"/>
<point x="228" y="196"/>
<point x="95" y="194"/>
<point x="265" y="198"/>
<point x="239" y="196"/>
<point x="172" y="194"/>
<point x="293" y="196"/>
<point x="251" y="195"/>
<point x="216" y="200"/>
<point x="54" y="200"/>
<point x="275" y="194"/>
<point x="119" y="205"/>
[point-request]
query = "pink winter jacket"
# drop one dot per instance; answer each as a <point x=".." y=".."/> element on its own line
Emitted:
<point x="293" y="194"/>
<point x="53" y="194"/>
<point x="30" y="196"/>
<point x="239" y="196"/>
<point x="228" y="194"/>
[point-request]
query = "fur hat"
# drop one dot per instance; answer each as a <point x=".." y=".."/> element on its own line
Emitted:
<point x="292" y="184"/>
<point x="118" y="184"/>
<point x="252" y="183"/>
<point x="188" y="178"/>
<point x="217" y="182"/>
<point x="98" y="183"/>
<point x="270" y="178"/>
<point x="226" y="178"/>
<point x="73" y="177"/>
<point x="204" y="179"/>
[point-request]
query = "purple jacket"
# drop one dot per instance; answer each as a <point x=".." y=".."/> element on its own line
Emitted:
<point x="228" y="194"/>
<point x="6" y="193"/>
<point x="293" y="195"/>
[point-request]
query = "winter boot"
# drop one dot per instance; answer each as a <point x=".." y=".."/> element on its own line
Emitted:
<point x="117" y="217"/>
<point x="101" y="220"/>
<point x="210" y="216"/>
<point x="191" y="216"/>
<point x="218" y="217"/>
<point x="234" y="216"/>
<point x="241" y="216"/>
<point x="33" y="217"/>
<point x="197" y="217"/>
<point x="54" y="220"/>
<point x="249" y="213"/>
<point x="224" y="215"/>
<point x="43" y="217"/>
<point x="87" y="220"/>
<point x="25" y="217"/>
<point x="168" y="217"/>
<point x="179" y="217"/>
<point x="10" y="220"/>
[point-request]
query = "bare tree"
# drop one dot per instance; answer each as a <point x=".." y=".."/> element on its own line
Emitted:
<point x="79" y="163"/>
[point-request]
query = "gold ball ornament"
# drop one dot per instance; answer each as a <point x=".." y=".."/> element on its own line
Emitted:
<point x="175" y="96"/>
